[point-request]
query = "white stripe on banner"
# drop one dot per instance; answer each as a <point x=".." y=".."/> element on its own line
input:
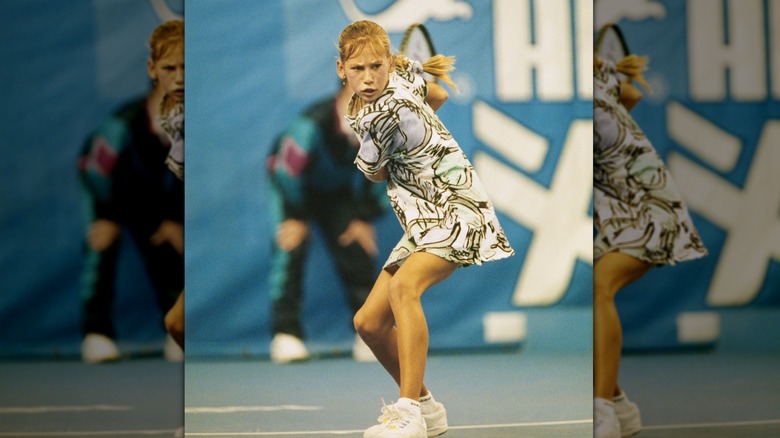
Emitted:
<point x="233" y="409"/>
<point x="49" y="409"/>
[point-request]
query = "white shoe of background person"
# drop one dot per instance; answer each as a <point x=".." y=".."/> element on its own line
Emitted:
<point x="361" y="352"/>
<point x="287" y="348"/>
<point x="627" y="413"/>
<point x="171" y="351"/>
<point x="98" y="348"/>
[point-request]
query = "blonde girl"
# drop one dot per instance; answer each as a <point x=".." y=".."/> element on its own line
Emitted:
<point x="642" y="221"/>
<point x="166" y="69"/>
<point x="447" y="217"/>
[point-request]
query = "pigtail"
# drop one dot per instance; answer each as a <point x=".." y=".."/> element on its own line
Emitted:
<point x="440" y="66"/>
<point x="633" y="66"/>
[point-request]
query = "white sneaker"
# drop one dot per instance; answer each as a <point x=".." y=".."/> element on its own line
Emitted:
<point x="605" y="423"/>
<point x="97" y="348"/>
<point x="288" y="348"/>
<point x="627" y="413"/>
<point x="361" y="352"/>
<point x="435" y="416"/>
<point x="402" y="419"/>
<point x="171" y="351"/>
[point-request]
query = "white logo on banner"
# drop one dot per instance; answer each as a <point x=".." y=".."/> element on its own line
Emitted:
<point x="402" y="13"/>
<point x="750" y="215"/>
<point x="558" y="216"/>
<point x="545" y="52"/>
<point x="743" y="59"/>
<point x="612" y="11"/>
<point x="164" y="11"/>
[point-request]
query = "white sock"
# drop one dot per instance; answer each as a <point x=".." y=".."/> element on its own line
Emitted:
<point x="427" y="403"/>
<point x="409" y="406"/>
<point x="602" y="404"/>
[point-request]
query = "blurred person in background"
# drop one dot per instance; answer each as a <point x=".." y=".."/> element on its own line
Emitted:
<point x="129" y="192"/>
<point x="314" y="182"/>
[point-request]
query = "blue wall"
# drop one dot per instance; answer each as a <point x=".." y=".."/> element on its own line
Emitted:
<point x="716" y="124"/>
<point x="253" y="65"/>
<point x="66" y="66"/>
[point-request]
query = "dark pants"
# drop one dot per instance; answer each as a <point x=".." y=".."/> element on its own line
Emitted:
<point x="354" y="266"/>
<point x="165" y="268"/>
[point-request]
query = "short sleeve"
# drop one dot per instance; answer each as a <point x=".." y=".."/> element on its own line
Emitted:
<point x="376" y="131"/>
<point x="415" y="67"/>
<point x="413" y="79"/>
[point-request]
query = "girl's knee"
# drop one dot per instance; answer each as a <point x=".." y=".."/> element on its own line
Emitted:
<point x="366" y="326"/>
<point x="402" y="291"/>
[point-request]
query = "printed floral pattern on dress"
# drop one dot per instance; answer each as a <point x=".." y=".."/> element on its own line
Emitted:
<point x="433" y="188"/>
<point x="637" y="208"/>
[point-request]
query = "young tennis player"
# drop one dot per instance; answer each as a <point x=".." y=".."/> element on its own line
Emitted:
<point x="446" y="215"/>
<point x="166" y="68"/>
<point x="130" y="193"/>
<point x="642" y="221"/>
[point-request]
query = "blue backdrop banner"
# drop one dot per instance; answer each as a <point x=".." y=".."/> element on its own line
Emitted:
<point x="523" y="117"/>
<point x="66" y="66"/>
<point x="712" y="114"/>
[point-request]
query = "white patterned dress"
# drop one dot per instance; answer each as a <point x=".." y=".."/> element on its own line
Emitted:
<point x="432" y="186"/>
<point x="173" y="124"/>
<point x="637" y="208"/>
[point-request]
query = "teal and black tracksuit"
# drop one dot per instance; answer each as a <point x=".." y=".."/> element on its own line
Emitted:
<point x="314" y="178"/>
<point x="124" y="179"/>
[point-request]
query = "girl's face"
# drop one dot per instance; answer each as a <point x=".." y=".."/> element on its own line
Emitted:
<point x="168" y="71"/>
<point x="366" y="73"/>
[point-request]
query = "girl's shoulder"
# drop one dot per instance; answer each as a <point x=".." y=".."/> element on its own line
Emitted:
<point x="605" y="75"/>
<point x="408" y="68"/>
<point x="173" y="120"/>
<point x="384" y="111"/>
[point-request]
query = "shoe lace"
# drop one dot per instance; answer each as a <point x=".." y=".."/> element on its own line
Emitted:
<point x="389" y="413"/>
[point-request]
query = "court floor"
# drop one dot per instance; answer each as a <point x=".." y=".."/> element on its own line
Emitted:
<point x="523" y="393"/>
<point x="707" y="394"/>
<point x="499" y="394"/>
<point x="58" y="398"/>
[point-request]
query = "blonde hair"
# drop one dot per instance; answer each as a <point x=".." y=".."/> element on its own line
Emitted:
<point x="366" y="34"/>
<point x="632" y="66"/>
<point x="167" y="35"/>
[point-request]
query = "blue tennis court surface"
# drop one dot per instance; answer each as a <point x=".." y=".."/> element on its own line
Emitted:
<point x="494" y="394"/>
<point x="705" y="394"/>
<point x="139" y="397"/>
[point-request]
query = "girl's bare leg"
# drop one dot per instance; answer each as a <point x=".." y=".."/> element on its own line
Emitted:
<point x="610" y="274"/>
<point x="395" y="299"/>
